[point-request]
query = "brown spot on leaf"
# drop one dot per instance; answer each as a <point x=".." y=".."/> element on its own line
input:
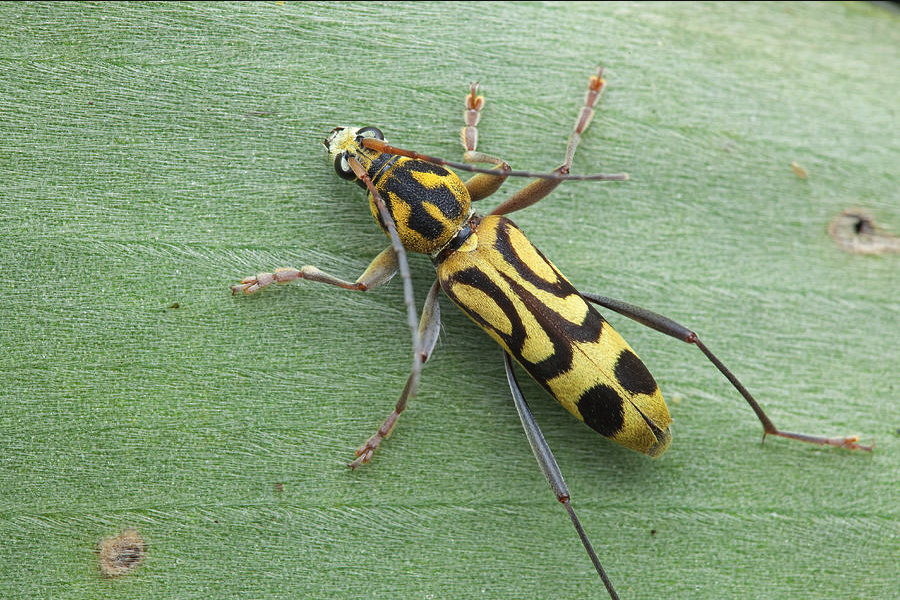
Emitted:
<point x="121" y="554"/>
<point x="856" y="232"/>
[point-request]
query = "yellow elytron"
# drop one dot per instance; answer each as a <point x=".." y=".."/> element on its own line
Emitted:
<point x="488" y="268"/>
<point x="514" y="293"/>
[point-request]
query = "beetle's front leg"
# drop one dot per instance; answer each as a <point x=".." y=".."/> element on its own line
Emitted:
<point x="537" y="190"/>
<point x="484" y="184"/>
<point x="429" y="327"/>
<point x="379" y="272"/>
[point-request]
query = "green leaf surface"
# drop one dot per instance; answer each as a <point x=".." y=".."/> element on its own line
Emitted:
<point x="154" y="154"/>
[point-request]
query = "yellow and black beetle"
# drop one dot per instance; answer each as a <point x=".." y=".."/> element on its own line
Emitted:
<point x="488" y="268"/>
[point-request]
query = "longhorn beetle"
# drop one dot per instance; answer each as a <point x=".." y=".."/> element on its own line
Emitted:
<point x="488" y="268"/>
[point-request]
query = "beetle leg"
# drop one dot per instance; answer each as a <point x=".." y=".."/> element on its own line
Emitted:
<point x="680" y="332"/>
<point x="537" y="190"/>
<point x="484" y="184"/>
<point x="379" y="272"/>
<point x="429" y="327"/>
<point x="595" y="88"/>
<point x="550" y="468"/>
<point x="474" y="104"/>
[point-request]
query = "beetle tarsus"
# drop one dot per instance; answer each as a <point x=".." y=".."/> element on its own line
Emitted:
<point x="849" y="442"/>
<point x="364" y="454"/>
<point x="251" y="284"/>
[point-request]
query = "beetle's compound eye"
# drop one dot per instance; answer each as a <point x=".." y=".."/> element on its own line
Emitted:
<point x="372" y="132"/>
<point x="342" y="166"/>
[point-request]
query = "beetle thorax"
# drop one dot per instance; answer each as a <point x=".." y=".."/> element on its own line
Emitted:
<point x="429" y="204"/>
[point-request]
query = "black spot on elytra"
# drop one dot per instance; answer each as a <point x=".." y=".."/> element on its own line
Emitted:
<point x="602" y="410"/>
<point x="633" y="375"/>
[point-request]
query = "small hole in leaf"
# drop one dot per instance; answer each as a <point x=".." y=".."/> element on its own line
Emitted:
<point x="864" y="225"/>
<point x="855" y="231"/>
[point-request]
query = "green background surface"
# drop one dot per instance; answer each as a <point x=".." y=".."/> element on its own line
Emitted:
<point x="156" y="154"/>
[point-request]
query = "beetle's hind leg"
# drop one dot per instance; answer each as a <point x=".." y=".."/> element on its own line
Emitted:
<point x="429" y="327"/>
<point x="539" y="189"/>
<point x="680" y="332"/>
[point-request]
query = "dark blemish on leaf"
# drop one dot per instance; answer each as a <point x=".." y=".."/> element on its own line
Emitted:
<point x="258" y="113"/>
<point x="174" y="305"/>
<point x="652" y="532"/>
<point x="279" y="487"/>
<point x="864" y="226"/>
<point x="121" y="554"/>
<point x="855" y="231"/>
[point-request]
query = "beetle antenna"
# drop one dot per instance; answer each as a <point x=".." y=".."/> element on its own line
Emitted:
<point x="385" y="148"/>
<point x="550" y="468"/>
<point x="408" y="296"/>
